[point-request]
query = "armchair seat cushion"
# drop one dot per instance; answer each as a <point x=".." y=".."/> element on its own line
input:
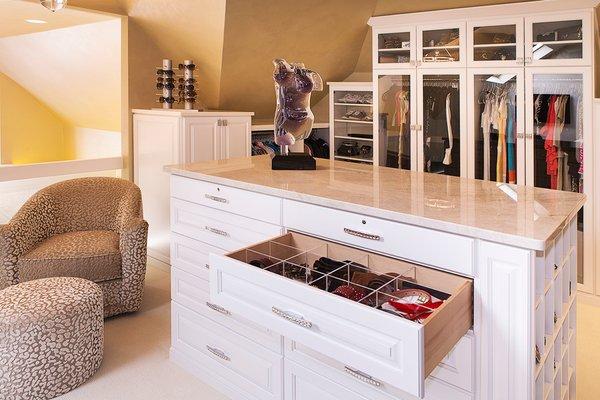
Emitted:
<point x="92" y="255"/>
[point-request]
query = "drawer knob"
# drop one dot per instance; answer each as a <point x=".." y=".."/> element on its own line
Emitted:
<point x="296" y="319"/>
<point x="216" y="231"/>
<point x="218" y="353"/>
<point x="216" y="198"/>
<point x="361" y="376"/>
<point x="362" y="235"/>
<point x="218" y="308"/>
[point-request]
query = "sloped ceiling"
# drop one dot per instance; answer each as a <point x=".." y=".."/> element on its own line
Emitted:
<point x="75" y="71"/>
<point x="15" y="12"/>
<point x="326" y="35"/>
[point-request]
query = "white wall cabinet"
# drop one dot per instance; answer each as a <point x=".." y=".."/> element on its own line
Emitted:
<point x="166" y="137"/>
<point x="532" y="54"/>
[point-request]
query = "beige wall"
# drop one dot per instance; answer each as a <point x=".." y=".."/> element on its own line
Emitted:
<point x="29" y="130"/>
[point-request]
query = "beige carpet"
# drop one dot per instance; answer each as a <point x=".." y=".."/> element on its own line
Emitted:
<point x="136" y="355"/>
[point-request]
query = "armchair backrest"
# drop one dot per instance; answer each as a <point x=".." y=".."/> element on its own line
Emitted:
<point x="97" y="203"/>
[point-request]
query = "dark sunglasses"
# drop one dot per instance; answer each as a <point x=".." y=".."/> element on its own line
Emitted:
<point x="169" y="100"/>
<point x="169" y="86"/>
<point x="186" y="87"/>
<point x="165" y="80"/>
<point x="187" y="81"/>
<point x="191" y="67"/>
<point x="166" y="72"/>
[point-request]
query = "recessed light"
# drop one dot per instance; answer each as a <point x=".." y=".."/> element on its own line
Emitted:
<point x="35" y="21"/>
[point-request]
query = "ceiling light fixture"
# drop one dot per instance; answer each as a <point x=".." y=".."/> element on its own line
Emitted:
<point x="54" y="5"/>
<point x="36" y="21"/>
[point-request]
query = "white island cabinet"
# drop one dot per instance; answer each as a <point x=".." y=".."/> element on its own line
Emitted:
<point x="287" y="284"/>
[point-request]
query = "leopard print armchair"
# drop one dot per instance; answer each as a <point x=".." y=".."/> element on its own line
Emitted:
<point x="89" y="228"/>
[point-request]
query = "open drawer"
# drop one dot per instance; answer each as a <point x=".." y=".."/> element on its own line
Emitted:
<point x="384" y="318"/>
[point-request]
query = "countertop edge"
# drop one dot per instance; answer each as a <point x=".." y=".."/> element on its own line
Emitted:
<point x="448" y="227"/>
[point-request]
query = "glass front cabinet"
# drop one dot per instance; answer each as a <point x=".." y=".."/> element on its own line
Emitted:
<point x="500" y="98"/>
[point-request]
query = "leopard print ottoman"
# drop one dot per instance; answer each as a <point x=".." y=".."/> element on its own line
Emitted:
<point x="51" y="337"/>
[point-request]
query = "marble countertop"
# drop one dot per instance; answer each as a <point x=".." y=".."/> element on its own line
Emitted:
<point x="515" y="215"/>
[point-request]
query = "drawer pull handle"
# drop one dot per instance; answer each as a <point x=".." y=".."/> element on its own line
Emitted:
<point x="363" y="235"/>
<point x="206" y="266"/>
<point x="218" y="353"/>
<point x="218" y="308"/>
<point x="296" y="319"/>
<point x="361" y="376"/>
<point x="216" y="198"/>
<point x="216" y="231"/>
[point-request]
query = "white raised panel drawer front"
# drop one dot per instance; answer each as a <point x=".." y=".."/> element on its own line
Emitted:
<point x="426" y="246"/>
<point x="239" y="361"/>
<point x="386" y="347"/>
<point x="232" y="200"/>
<point x="218" y="228"/>
<point x="191" y="255"/>
<point x="194" y="293"/>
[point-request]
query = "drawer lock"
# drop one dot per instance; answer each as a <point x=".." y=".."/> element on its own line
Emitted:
<point x="363" y="235"/>
<point x="361" y="376"/>
<point x="216" y="231"/>
<point x="296" y="319"/>
<point x="216" y="198"/>
<point x="218" y="353"/>
<point x="218" y="308"/>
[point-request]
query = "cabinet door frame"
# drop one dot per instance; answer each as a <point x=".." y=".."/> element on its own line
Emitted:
<point x="520" y="45"/>
<point x="411" y="29"/>
<point x="589" y="148"/>
<point x="462" y="74"/>
<point x="520" y="127"/>
<point x="225" y="139"/>
<point x="190" y="141"/>
<point x="412" y="74"/>
<point x="587" y="44"/>
<point x="462" y="51"/>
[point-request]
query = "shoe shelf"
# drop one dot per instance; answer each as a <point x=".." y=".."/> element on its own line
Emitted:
<point x="351" y="122"/>
<point x="555" y="316"/>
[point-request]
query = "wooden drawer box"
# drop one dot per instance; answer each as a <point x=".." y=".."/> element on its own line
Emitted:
<point x="237" y="201"/>
<point x="193" y="293"/>
<point x="238" y="360"/>
<point x="218" y="228"/>
<point x="388" y="347"/>
<point x="425" y="246"/>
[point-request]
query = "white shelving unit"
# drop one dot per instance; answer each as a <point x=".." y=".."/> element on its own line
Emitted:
<point x="345" y="99"/>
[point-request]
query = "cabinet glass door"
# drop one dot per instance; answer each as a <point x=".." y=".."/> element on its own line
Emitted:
<point x="395" y="123"/>
<point x="441" y="46"/>
<point x="558" y="137"/>
<point x="352" y="125"/>
<point x="442" y="149"/>
<point x="498" y="43"/>
<point x="558" y="42"/>
<point x="497" y="124"/>
<point x="394" y="48"/>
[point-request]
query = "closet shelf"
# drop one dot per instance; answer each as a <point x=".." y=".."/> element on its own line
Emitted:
<point x="484" y="46"/>
<point x="395" y="50"/>
<point x="353" y="104"/>
<point x="353" y="121"/>
<point x="551" y="42"/>
<point x="441" y="47"/>
<point x="367" y="160"/>
<point x="354" y="138"/>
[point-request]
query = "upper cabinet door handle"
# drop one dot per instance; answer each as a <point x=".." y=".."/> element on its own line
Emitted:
<point x="363" y="235"/>
<point x="219" y="122"/>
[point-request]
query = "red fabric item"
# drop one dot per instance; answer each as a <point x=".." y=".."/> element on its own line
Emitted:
<point x="414" y="311"/>
<point x="547" y="132"/>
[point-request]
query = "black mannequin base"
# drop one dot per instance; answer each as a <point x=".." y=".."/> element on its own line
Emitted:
<point x="294" y="161"/>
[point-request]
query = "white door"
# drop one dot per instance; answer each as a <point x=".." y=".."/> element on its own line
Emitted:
<point x="559" y="39"/>
<point x="442" y="121"/>
<point x="395" y="102"/>
<point x="442" y="45"/>
<point x="496" y="139"/>
<point x="559" y="151"/>
<point x="235" y="137"/>
<point x="202" y="139"/>
<point x="394" y="47"/>
<point x="495" y="42"/>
